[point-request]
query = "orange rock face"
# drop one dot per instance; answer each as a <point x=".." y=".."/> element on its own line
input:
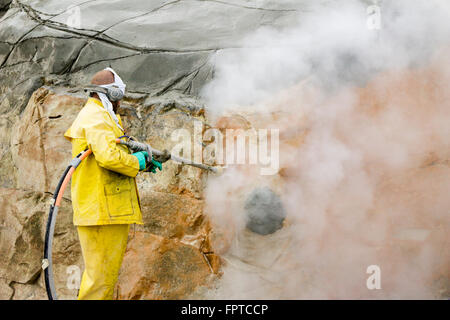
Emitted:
<point x="159" y="268"/>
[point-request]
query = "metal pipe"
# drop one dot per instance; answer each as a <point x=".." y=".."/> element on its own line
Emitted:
<point x="139" y="146"/>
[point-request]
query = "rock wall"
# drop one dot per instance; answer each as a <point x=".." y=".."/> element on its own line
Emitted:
<point x="162" y="50"/>
<point x="171" y="251"/>
<point x="166" y="51"/>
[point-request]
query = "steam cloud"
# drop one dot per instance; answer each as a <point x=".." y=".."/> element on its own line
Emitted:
<point x="364" y="154"/>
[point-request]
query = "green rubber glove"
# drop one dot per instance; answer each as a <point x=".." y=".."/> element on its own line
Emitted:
<point x="153" y="166"/>
<point x="142" y="158"/>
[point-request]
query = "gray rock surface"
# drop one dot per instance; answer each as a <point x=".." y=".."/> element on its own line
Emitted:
<point x="157" y="46"/>
<point x="264" y="211"/>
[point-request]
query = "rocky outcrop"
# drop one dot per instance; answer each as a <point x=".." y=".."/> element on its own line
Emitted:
<point x="158" y="46"/>
<point x="23" y="219"/>
<point x="175" y="231"/>
<point x="340" y="202"/>
<point x="149" y="258"/>
<point x="162" y="49"/>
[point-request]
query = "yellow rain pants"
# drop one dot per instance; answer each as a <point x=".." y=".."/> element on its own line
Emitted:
<point x="103" y="248"/>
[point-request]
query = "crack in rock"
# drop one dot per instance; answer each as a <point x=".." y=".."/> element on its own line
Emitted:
<point x="247" y="7"/>
<point x="97" y="35"/>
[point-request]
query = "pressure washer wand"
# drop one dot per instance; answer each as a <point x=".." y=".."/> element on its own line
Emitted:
<point x="139" y="146"/>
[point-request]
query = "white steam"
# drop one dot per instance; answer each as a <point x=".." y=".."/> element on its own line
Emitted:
<point x="331" y="43"/>
<point x="364" y="150"/>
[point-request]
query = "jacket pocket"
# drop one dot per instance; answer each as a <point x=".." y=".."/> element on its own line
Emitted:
<point x="118" y="198"/>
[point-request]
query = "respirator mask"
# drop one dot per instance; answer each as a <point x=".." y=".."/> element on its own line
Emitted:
<point x="109" y="92"/>
<point x="112" y="92"/>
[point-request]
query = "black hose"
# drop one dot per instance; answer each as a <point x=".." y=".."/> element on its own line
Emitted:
<point x="50" y="294"/>
<point x="49" y="283"/>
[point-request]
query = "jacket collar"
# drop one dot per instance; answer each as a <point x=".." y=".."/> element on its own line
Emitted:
<point x="97" y="101"/>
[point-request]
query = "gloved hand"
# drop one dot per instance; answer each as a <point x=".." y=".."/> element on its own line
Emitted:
<point x="142" y="157"/>
<point x="153" y="165"/>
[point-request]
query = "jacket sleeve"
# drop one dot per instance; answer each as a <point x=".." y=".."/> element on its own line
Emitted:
<point x="101" y="140"/>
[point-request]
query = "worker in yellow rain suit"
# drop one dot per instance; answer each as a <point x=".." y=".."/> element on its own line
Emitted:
<point x="104" y="194"/>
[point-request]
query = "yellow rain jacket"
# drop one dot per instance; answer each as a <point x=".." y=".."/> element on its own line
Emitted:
<point x="103" y="188"/>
